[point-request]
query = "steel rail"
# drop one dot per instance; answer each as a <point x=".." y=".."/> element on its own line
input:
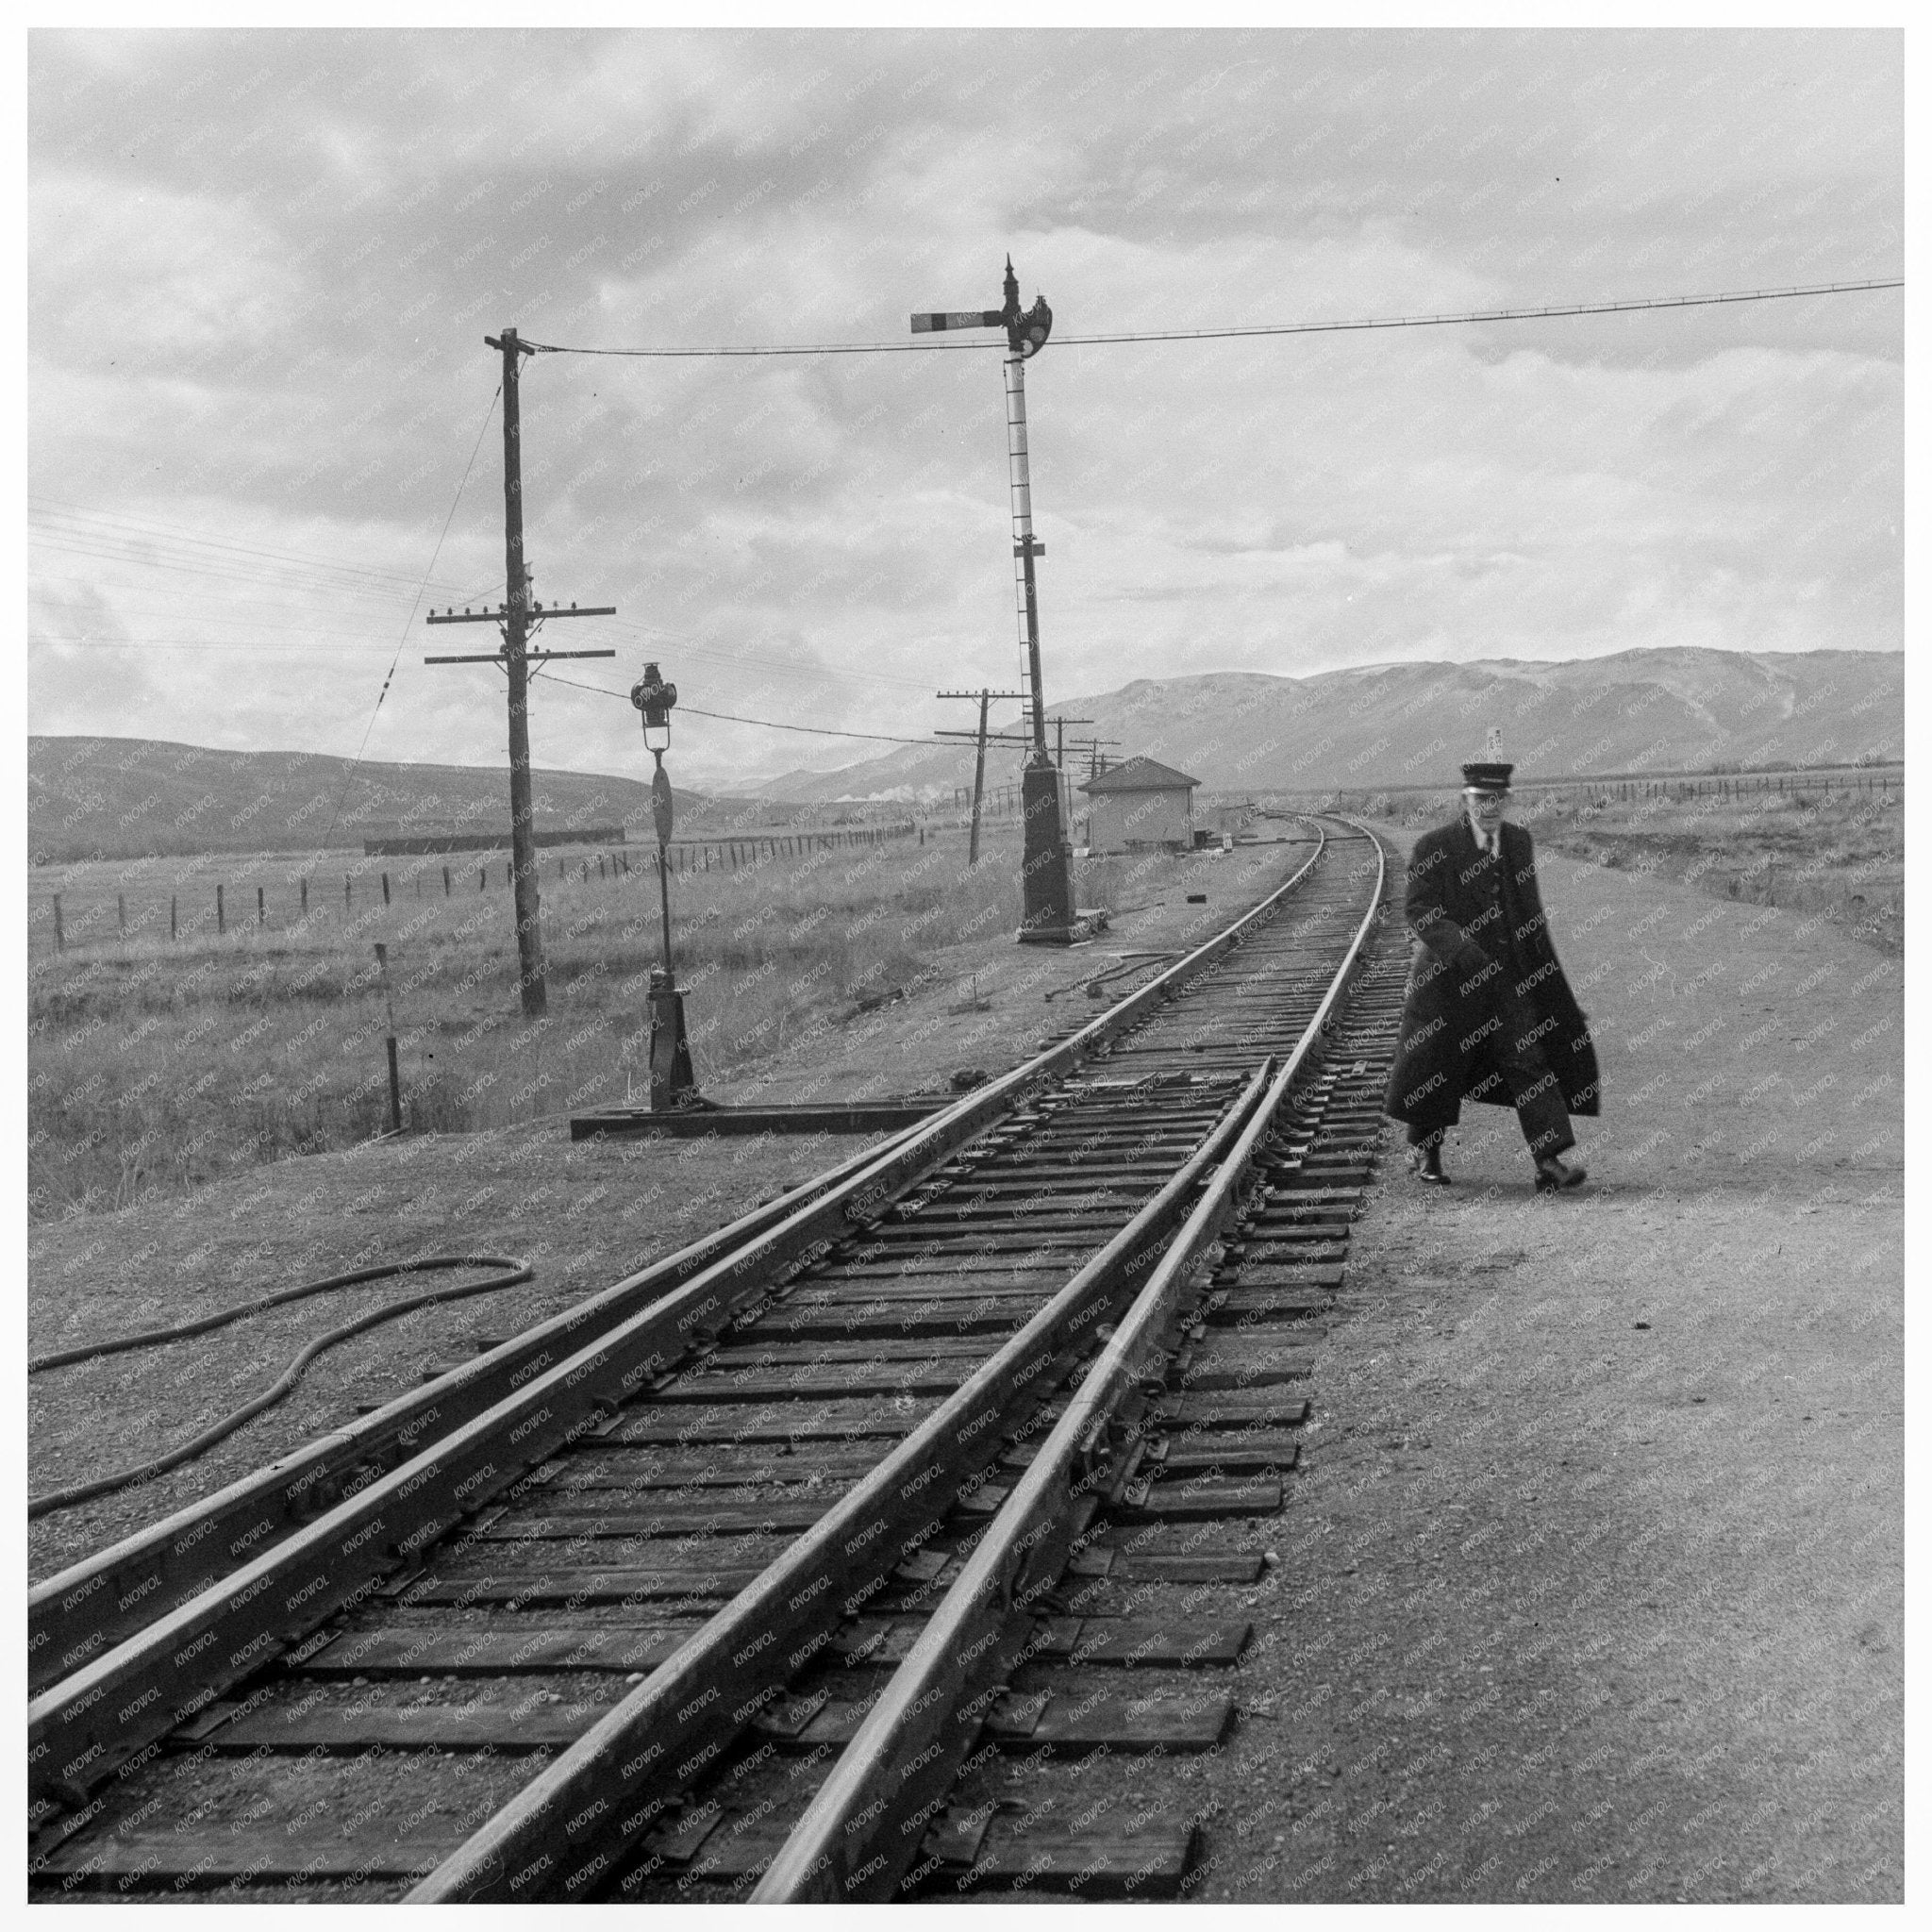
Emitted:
<point x="860" y="1832"/>
<point x="134" y="1693"/>
<point x="574" y="1824"/>
<point x="687" y="1713"/>
<point x="94" y="1603"/>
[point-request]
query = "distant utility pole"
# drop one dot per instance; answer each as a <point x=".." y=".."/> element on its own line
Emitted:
<point x="985" y="697"/>
<point x="1059" y="739"/>
<point x="982" y="739"/>
<point x="515" y="615"/>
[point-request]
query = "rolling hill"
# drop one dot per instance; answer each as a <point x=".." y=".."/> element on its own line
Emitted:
<point x="1413" y="724"/>
<point x="1236" y="731"/>
<point x="129" y="797"/>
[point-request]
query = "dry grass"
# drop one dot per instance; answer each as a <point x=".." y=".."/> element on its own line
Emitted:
<point x="156" y="1066"/>
<point x="1840" y="859"/>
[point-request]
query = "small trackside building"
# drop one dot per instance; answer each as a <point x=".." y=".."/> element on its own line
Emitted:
<point x="1140" y="803"/>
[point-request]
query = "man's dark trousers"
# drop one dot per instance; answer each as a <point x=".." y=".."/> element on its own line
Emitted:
<point x="1533" y="1092"/>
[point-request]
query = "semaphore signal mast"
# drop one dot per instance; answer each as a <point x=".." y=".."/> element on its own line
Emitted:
<point x="1047" y="865"/>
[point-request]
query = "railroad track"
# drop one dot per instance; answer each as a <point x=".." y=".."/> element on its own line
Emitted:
<point x="745" y="1577"/>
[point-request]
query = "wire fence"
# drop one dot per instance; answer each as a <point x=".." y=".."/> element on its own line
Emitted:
<point x="1825" y="845"/>
<point x="141" y="903"/>
<point x="1840" y="782"/>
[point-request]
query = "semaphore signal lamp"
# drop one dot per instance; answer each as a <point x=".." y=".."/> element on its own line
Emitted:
<point x="1026" y="330"/>
<point x="655" y="698"/>
<point x="673" y="1085"/>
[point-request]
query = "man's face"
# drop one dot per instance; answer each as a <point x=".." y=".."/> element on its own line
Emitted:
<point x="1486" y="810"/>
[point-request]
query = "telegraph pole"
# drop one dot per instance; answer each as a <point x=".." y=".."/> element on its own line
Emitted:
<point x="985" y="697"/>
<point x="1059" y="736"/>
<point x="981" y="739"/>
<point x="515" y="615"/>
<point x="1060" y="765"/>
<point x="516" y="632"/>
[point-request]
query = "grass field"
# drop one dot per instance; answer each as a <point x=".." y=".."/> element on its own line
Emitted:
<point x="156" y="1065"/>
<point x="1841" y="858"/>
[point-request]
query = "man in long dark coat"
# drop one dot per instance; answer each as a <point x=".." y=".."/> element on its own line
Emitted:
<point x="1488" y="1015"/>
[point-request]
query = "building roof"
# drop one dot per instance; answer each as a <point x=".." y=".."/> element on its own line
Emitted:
<point x="1142" y="774"/>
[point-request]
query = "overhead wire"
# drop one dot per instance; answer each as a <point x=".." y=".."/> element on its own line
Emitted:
<point x="152" y="530"/>
<point x="422" y="590"/>
<point x="757" y="659"/>
<point x="52" y="639"/>
<point x="1540" y="312"/>
<point x="816" y="730"/>
<point x="212" y="569"/>
<point x="732" y="718"/>
<point x="193" y="644"/>
<point x="130" y="531"/>
<point x="222" y="569"/>
<point x="92" y="534"/>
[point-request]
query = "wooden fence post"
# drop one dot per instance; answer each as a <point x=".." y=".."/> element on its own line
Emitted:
<point x="446" y="882"/>
<point x="395" y="1084"/>
<point x="385" y="889"/>
<point x="59" y="932"/>
<point x="348" y="891"/>
<point x="482" y="878"/>
<point x="261" y="904"/>
<point x="121" y="909"/>
<point x="220" y="912"/>
<point x="174" y="927"/>
<point x="305" y="897"/>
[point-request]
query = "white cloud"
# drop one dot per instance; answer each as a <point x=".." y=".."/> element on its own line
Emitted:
<point x="256" y="318"/>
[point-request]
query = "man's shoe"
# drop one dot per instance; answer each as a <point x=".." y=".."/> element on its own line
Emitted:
<point x="1426" y="1163"/>
<point x="1552" y="1174"/>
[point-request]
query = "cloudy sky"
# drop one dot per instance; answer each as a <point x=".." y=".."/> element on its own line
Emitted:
<point x="264" y="264"/>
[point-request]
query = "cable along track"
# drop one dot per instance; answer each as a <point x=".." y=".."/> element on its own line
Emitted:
<point x="521" y="1661"/>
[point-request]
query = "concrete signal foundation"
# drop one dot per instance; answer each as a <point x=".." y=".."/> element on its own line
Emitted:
<point x="1049" y="918"/>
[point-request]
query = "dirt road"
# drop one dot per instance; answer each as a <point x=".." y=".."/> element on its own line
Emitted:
<point x="1592" y="1587"/>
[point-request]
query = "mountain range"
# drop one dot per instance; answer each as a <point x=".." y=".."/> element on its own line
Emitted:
<point x="1387" y="725"/>
<point x="1378" y="725"/>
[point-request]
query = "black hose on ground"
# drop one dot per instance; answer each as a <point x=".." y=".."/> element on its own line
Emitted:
<point x="516" y="1270"/>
